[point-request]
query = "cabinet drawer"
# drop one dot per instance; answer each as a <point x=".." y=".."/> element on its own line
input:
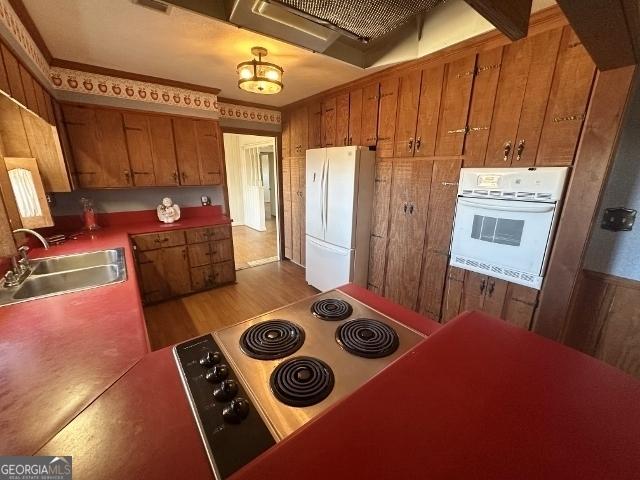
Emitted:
<point x="221" y="251"/>
<point x="224" y="272"/>
<point x="199" y="254"/>
<point x="198" y="235"/>
<point x="221" y="232"/>
<point x="202" y="277"/>
<point x="172" y="239"/>
<point x="149" y="241"/>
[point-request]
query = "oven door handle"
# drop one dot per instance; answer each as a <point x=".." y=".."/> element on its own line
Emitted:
<point x="523" y="209"/>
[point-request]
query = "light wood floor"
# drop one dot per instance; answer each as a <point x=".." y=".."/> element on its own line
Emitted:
<point x="251" y="245"/>
<point x="258" y="290"/>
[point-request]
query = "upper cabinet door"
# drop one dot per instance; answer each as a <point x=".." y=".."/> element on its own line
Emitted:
<point x="342" y="120"/>
<point x="112" y="143"/>
<point x="299" y="134"/>
<point x="164" y="154"/>
<point x="136" y="129"/>
<point x="80" y="123"/>
<point x="516" y="60"/>
<point x="184" y="131"/>
<point x="315" y="125"/>
<point x="329" y="123"/>
<point x="481" y="109"/>
<point x="355" y="117"/>
<point x="456" y="96"/>
<point x="408" y="99"/>
<point x="543" y="60"/>
<point x="369" y="123"/>
<point x="28" y="191"/>
<point x="429" y="110"/>
<point x="387" y="117"/>
<point x="568" y="101"/>
<point x="286" y="134"/>
<point x="209" y="152"/>
<point x="13" y="75"/>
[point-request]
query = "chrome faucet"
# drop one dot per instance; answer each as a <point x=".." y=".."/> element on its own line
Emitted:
<point x="20" y="268"/>
<point x="44" y="242"/>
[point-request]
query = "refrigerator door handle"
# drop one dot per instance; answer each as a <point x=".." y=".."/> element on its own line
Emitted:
<point x="326" y="197"/>
<point x="322" y="195"/>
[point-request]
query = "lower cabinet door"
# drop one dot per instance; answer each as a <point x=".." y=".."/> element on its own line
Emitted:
<point x="221" y="251"/>
<point x="176" y="270"/>
<point x="152" y="282"/>
<point x="224" y="272"/>
<point x="199" y="254"/>
<point x="202" y="277"/>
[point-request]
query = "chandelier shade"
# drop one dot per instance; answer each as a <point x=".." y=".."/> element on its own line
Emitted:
<point x="258" y="76"/>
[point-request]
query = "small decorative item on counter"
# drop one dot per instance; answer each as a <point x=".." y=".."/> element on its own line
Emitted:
<point x="168" y="212"/>
<point x="89" y="214"/>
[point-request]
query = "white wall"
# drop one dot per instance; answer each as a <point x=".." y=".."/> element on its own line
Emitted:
<point x="618" y="253"/>
<point x="125" y="200"/>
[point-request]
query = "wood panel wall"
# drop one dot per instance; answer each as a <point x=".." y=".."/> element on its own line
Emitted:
<point x="604" y="320"/>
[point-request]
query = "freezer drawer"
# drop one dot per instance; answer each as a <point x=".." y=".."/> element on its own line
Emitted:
<point x="328" y="266"/>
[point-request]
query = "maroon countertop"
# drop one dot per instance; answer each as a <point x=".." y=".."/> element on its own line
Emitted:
<point x="58" y="354"/>
<point x="478" y="399"/>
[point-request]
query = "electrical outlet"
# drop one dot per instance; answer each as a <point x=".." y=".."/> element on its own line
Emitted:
<point x="618" y="219"/>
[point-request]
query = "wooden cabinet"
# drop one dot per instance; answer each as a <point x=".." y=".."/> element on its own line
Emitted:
<point x="568" y="99"/>
<point x="297" y="216"/>
<point x="387" y="117"/>
<point x="521" y="100"/>
<point x="198" y="145"/>
<point x="180" y="262"/>
<point x="369" y="122"/>
<point x="285" y="136"/>
<point x="315" y="125"/>
<point x="355" y="117"/>
<point x="329" y="122"/>
<point x="442" y="201"/>
<point x="407" y="229"/>
<point x="481" y="108"/>
<point x="468" y="290"/>
<point x="407" y="114"/>
<point x="379" y="226"/>
<point x="98" y="145"/>
<point x="151" y="151"/>
<point x="299" y="125"/>
<point x="428" y="111"/>
<point x="14" y="79"/>
<point x="342" y="120"/>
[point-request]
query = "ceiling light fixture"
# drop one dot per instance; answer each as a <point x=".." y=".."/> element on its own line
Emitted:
<point x="260" y="77"/>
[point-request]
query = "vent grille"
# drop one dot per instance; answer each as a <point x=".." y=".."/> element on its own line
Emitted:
<point x="366" y="20"/>
<point x="480" y="192"/>
<point x="153" y="5"/>
<point x="509" y="274"/>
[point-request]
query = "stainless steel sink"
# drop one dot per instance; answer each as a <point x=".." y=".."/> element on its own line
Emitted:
<point x="70" y="273"/>
<point x="74" y="262"/>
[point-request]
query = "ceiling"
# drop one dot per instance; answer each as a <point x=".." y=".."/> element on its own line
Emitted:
<point x="189" y="47"/>
<point x="182" y="46"/>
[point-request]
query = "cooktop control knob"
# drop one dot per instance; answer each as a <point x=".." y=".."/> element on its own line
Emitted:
<point x="225" y="391"/>
<point x="210" y="359"/>
<point x="236" y="411"/>
<point x="217" y="373"/>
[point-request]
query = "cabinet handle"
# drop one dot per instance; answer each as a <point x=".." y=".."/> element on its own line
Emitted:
<point x="464" y="130"/>
<point x="175" y="177"/>
<point x="520" y="150"/>
<point x="449" y="184"/>
<point x="350" y="140"/>
<point x="492" y="286"/>
<point x="483" y="284"/>
<point x="411" y="209"/>
<point x="410" y="145"/>
<point x="405" y="208"/>
<point x="127" y="176"/>
<point x="164" y="240"/>
<point x="184" y="177"/>
<point x="344" y="142"/>
<point x="418" y="143"/>
<point x="507" y="150"/>
<point x="184" y="254"/>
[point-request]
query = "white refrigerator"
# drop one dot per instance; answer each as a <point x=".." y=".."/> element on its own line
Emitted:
<point x="339" y="197"/>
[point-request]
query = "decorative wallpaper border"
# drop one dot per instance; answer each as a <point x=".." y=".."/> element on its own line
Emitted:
<point x="116" y="87"/>
<point x="250" y="114"/>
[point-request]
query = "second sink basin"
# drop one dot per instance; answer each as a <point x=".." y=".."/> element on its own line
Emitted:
<point x="75" y="262"/>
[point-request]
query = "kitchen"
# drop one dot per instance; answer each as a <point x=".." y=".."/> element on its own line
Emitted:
<point x="455" y="272"/>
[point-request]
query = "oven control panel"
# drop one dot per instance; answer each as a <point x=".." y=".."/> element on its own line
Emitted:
<point x="231" y="427"/>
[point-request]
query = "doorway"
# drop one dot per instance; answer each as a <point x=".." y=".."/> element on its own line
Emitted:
<point x="251" y="164"/>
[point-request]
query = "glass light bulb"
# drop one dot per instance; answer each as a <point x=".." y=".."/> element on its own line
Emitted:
<point x="246" y="73"/>
<point x="272" y="74"/>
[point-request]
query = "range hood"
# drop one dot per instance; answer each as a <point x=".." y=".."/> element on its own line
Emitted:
<point x="358" y="33"/>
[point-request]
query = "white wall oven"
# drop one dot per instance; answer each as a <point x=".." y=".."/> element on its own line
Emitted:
<point x="505" y="220"/>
